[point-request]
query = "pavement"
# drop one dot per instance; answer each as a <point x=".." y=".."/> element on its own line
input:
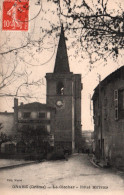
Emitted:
<point x="101" y="164"/>
<point x="10" y="163"/>
<point x="75" y="174"/>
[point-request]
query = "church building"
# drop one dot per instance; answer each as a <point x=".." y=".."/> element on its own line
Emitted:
<point x="60" y="117"/>
<point x="64" y="93"/>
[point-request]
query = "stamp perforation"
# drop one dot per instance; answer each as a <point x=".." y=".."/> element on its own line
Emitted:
<point x="15" y="15"/>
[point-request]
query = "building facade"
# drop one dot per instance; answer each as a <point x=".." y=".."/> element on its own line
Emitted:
<point x="7" y="123"/>
<point x="108" y="107"/>
<point x="34" y="122"/>
<point x="64" y="93"/>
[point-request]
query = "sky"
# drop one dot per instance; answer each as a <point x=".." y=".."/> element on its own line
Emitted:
<point x="37" y="63"/>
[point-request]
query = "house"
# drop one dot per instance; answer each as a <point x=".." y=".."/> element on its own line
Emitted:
<point x="34" y="123"/>
<point x="108" y="108"/>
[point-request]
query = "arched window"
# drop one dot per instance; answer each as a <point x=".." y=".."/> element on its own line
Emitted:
<point x="60" y="88"/>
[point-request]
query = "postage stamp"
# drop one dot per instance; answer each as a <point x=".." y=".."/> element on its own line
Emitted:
<point x="15" y="15"/>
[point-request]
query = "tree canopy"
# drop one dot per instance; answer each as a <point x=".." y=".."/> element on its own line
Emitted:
<point x="94" y="29"/>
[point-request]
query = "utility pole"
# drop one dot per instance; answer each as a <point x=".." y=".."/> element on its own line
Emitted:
<point x="91" y="108"/>
<point x="100" y="114"/>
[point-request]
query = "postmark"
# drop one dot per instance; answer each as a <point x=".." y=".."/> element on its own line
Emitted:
<point x="15" y="15"/>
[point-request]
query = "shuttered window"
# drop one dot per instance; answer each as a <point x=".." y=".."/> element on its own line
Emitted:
<point x="26" y="115"/>
<point x="121" y="103"/>
<point x="41" y="115"/>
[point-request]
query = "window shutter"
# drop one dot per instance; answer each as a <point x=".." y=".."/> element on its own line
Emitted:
<point x="116" y="103"/>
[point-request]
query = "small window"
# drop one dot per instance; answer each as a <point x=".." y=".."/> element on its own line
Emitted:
<point x="41" y="115"/>
<point x="26" y="115"/>
<point x="60" y="88"/>
<point x="121" y="103"/>
<point x="116" y="94"/>
<point x="121" y="95"/>
<point x="116" y="103"/>
<point x="116" y="114"/>
<point x="105" y="114"/>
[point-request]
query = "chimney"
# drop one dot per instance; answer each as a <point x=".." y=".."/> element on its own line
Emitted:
<point x="16" y="113"/>
<point x="15" y="103"/>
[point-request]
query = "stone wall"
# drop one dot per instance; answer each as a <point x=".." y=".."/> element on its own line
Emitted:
<point x="112" y="128"/>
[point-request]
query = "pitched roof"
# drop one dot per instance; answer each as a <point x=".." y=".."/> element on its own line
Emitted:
<point x="35" y="105"/>
<point x="118" y="74"/>
<point x="6" y="113"/>
<point x="61" y="63"/>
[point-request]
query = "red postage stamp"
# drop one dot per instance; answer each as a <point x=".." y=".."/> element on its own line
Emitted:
<point x="15" y="15"/>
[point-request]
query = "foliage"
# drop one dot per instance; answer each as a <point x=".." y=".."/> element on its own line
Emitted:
<point x="1" y="126"/>
<point x="93" y="28"/>
<point x="4" y="138"/>
<point x="101" y="27"/>
<point x="35" y="139"/>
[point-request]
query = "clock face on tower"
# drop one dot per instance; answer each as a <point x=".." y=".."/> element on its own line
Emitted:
<point x="59" y="103"/>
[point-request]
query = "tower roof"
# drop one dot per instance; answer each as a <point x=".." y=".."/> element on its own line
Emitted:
<point x="61" y="63"/>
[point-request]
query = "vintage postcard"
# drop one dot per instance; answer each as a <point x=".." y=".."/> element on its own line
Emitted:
<point x="61" y="97"/>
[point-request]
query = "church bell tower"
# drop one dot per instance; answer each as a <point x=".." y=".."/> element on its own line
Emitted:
<point x="64" y="93"/>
